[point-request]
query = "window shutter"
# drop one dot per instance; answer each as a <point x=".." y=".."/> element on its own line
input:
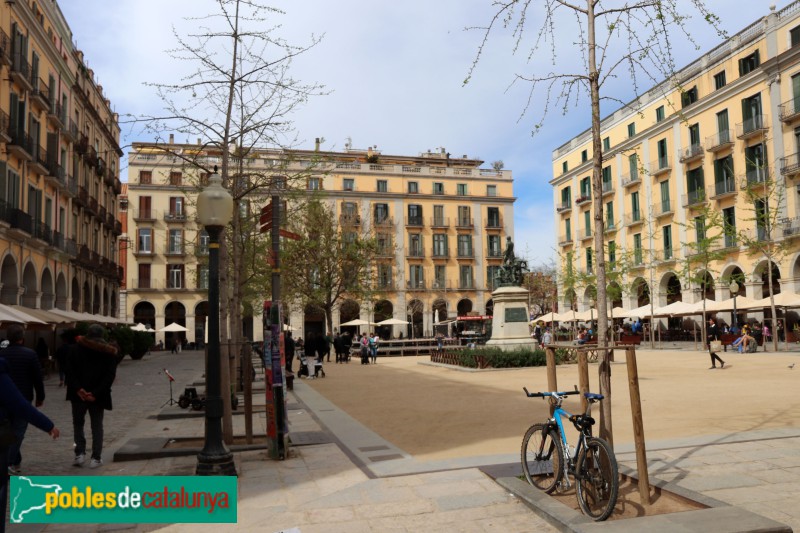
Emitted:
<point x="3" y="173"/>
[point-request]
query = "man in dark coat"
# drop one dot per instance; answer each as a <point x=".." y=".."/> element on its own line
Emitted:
<point x="91" y="369"/>
<point x="289" y="347"/>
<point x="337" y="346"/>
<point x="26" y="373"/>
<point x="713" y="335"/>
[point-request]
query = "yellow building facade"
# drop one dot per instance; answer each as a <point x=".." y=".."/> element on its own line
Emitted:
<point x="441" y="224"/>
<point x="59" y="169"/>
<point x="729" y="122"/>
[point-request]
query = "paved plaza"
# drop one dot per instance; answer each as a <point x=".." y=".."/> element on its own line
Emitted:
<point x="405" y="441"/>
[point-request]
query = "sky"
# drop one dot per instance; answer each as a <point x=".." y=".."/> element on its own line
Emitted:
<point x="395" y="75"/>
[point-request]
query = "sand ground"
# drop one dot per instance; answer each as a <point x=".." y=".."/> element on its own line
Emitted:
<point x="437" y="413"/>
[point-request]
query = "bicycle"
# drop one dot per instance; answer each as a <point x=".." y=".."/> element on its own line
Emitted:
<point x="593" y="464"/>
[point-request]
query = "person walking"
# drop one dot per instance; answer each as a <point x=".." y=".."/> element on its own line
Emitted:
<point x="713" y="335"/>
<point x="289" y="349"/>
<point x="43" y="353"/>
<point x="91" y="369"/>
<point x="337" y="346"/>
<point x="373" y="347"/>
<point x="14" y="406"/>
<point x="26" y="373"/>
<point x="547" y="338"/>
<point x="68" y="338"/>
<point x="347" y="343"/>
<point x="364" y="349"/>
<point x="328" y="338"/>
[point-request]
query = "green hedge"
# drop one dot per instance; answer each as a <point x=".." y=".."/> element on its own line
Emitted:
<point x="497" y="358"/>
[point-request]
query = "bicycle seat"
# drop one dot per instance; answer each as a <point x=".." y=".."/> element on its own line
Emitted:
<point x="593" y="396"/>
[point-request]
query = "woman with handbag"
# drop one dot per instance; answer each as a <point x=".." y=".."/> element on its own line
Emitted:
<point x="714" y="344"/>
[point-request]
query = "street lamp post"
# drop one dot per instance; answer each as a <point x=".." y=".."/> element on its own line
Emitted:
<point x="214" y="212"/>
<point x="734" y="287"/>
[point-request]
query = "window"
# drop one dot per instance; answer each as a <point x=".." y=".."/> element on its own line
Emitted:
<point x="794" y="36"/>
<point x="607" y="185"/>
<point x="637" y="249"/>
<point x="174" y="276"/>
<point x="631" y="129"/>
<point x="755" y="163"/>
<point x="564" y="167"/>
<point x="636" y="213"/>
<point x="461" y="189"/>
<point x="491" y="190"/>
<point x="699" y="229"/>
<point x="464" y="216"/>
<point x="144" y="276"/>
<point x="612" y="254"/>
<point x="666" y="232"/>
<point x="202" y="277"/>
<point x="689" y="97"/>
<point x="314" y="184"/>
<point x="175" y="178"/>
<point x="795" y="105"/>
<point x="176" y="206"/>
<point x="465" y="245"/>
<point x="383" y="186"/>
<point x="415" y="245"/>
<point x="723" y="128"/>
<point x="586" y="189"/>
<point x="349" y="184"/>
<point x="493" y="246"/>
<point x="751" y="114"/>
<point x="145" y="245"/>
<point x="659" y="113"/>
<point x="589" y="260"/>
<point x="719" y="80"/>
<point x="729" y="226"/>
<point x="762" y="219"/>
<point x="633" y="167"/>
<point x="587" y="222"/>
<point x="491" y="276"/>
<point x="584" y="156"/>
<point x="381" y="213"/>
<point x="416" y="277"/>
<point x="665" y="202"/>
<point x="349" y="209"/>
<point x="568" y="229"/>
<point x="749" y="64"/>
<point x="439" y="245"/>
<point x="438" y="188"/>
<point x="384" y="244"/>
<point x="413" y="187"/>
<point x="663" y="159"/>
<point x="695" y="185"/>
<point x="202" y="243"/>
<point x="724" y="181"/>
<point x="607" y="143"/>
<point x="384" y="276"/>
<point x="175" y="241"/>
<point x="145" y="177"/>
<point x="694" y="135"/>
<point x="493" y="217"/>
<point x="610" y="214"/>
<point x="415" y="215"/>
<point x="438" y="215"/>
<point x="465" y="277"/>
<point x="566" y="197"/>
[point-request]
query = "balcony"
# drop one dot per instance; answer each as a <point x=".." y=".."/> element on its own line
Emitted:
<point x="383" y="222"/>
<point x="71" y="187"/>
<point x="349" y="219"/>
<point x="719" y="141"/>
<point x="21" y="144"/>
<point x="5" y="49"/>
<point x="440" y="222"/>
<point x="692" y="153"/>
<point x="790" y="165"/>
<point x="146" y="284"/>
<point x="39" y="161"/>
<point x="583" y="198"/>
<point x="415" y="252"/>
<point x="664" y="256"/>
<point x="693" y="198"/>
<point x="465" y="253"/>
<point x="730" y="240"/>
<point x="175" y="252"/>
<point x="789" y="111"/>
<point x="610" y="227"/>
<point x="759" y="233"/>
<point x="93" y="206"/>
<point x="174" y="216"/>
<point x="82" y="144"/>
<point x="385" y="285"/>
<point x="415" y="285"/>
<point x="660" y="166"/>
<point x="40" y="94"/>
<point x="21" y="71"/>
<point x="723" y="189"/>
<point x="755" y="177"/>
<point x="386" y="251"/>
<point x="662" y="208"/>
<point x="752" y="127"/>
<point x="5" y="134"/>
<point x="440" y="253"/>
<point x="117" y="227"/>
<point x="441" y="285"/>
<point x="70" y="131"/>
<point x="91" y="156"/>
<point x="565" y="240"/>
<point x="464" y="223"/>
<point x="144" y="215"/>
<point x="144" y="252"/>
<point x="608" y="188"/>
<point x="56" y="115"/>
<point x="585" y="233"/>
<point x="790" y="227"/>
<point x="564" y="206"/>
<point x="21" y="223"/>
<point x="494" y="253"/>
<point x="629" y="180"/>
<point x="42" y="233"/>
<point x="55" y="175"/>
<point x="493" y="223"/>
<point x="111" y="220"/>
<point x="466" y="284"/>
<point x="634" y="218"/>
<point x="414" y="222"/>
<point x="117" y="186"/>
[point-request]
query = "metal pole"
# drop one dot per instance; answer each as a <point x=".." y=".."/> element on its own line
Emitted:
<point x="734" y="310"/>
<point x="278" y="398"/>
<point x="214" y="459"/>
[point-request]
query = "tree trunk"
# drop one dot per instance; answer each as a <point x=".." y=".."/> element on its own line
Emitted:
<point x="599" y="228"/>
<point x="774" y="310"/>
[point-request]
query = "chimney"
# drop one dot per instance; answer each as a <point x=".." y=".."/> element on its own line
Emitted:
<point x="171" y="138"/>
<point x="316" y="144"/>
<point x="370" y="153"/>
<point x="199" y="142"/>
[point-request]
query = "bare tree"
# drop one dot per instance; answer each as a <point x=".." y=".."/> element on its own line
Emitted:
<point x="239" y="98"/>
<point x="644" y="28"/>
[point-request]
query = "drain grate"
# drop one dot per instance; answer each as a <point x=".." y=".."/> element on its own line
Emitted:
<point x="385" y="457"/>
<point x="373" y="448"/>
<point x="306" y="438"/>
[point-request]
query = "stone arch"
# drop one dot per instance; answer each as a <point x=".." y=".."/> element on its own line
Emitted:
<point x="760" y="274"/>
<point x="144" y="313"/>
<point x="383" y="310"/>
<point x="589" y="294"/>
<point x="96" y="300"/>
<point x="48" y="297"/>
<point x="440" y="309"/>
<point x="707" y="286"/>
<point x="490" y="307"/>
<point x="61" y="292"/>
<point x="112" y="300"/>
<point x="313" y="320"/>
<point x="670" y="287"/>
<point x="641" y="292"/>
<point x="30" y="284"/>
<point x="76" y="295"/>
<point x="570" y="300"/>
<point x="414" y="317"/>
<point x="9" y="276"/>
<point x="614" y="294"/>
<point x="200" y="316"/>
<point x="175" y="312"/>
<point x="105" y="301"/>
<point x="796" y="267"/>
<point x="464" y="306"/>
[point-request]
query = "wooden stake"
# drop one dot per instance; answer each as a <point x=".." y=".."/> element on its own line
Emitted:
<point x="638" y="425"/>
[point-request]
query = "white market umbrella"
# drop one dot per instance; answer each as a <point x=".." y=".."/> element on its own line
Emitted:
<point x="391" y="322"/>
<point x="782" y="299"/>
<point x="435" y="316"/>
<point x="549" y="317"/>
<point x="742" y="303"/>
<point x="139" y="327"/>
<point x="174" y="327"/>
<point x="358" y="322"/>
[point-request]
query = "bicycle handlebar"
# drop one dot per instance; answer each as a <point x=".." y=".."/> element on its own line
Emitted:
<point x="589" y="395"/>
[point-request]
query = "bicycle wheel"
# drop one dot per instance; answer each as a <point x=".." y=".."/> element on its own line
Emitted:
<point x="542" y="457"/>
<point x="597" y="479"/>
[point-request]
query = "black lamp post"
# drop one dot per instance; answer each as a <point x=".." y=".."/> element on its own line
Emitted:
<point x="734" y="287"/>
<point x="214" y="211"/>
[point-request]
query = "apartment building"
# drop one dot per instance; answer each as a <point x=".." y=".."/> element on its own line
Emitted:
<point x="731" y="124"/>
<point x="59" y="169"/>
<point x="440" y="222"/>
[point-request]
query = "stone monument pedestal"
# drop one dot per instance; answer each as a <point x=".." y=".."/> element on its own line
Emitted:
<point x="511" y="317"/>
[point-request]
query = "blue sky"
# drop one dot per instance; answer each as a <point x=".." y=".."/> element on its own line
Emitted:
<point x="395" y="71"/>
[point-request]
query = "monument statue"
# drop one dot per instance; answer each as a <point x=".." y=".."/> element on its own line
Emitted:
<point x="510" y="274"/>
